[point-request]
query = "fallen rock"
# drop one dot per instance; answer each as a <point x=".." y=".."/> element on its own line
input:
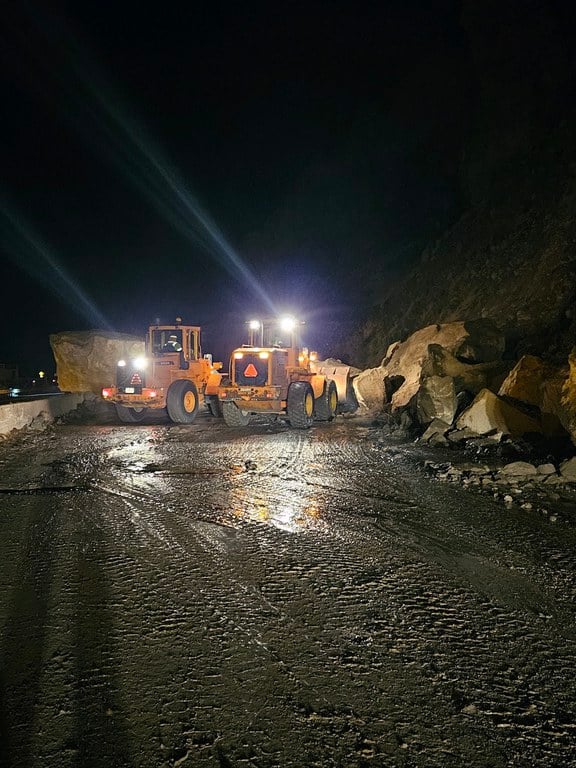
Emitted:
<point x="539" y="384"/>
<point x="568" y="470"/>
<point x="86" y="360"/>
<point x="525" y="381"/>
<point x="436" y="400"/>
<point x="546" y="469"/>
<point x="519" y="469"/>
<point x="470" y="342"/>
<point x="435" y="429"/>
<point x="369" y="389"/>
<point x="468" y="378"/>
<point x="490" y="413"/>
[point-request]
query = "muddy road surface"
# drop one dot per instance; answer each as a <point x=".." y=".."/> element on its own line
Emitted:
<point x="181" y="597"/>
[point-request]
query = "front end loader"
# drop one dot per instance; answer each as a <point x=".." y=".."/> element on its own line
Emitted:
<point x="273" y="374"/>
<point x="173" y="375"/>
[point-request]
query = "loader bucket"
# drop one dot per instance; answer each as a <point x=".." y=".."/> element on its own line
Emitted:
<point x="341" y="375"/>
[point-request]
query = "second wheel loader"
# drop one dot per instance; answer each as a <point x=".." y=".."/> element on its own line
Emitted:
<point x="273" y="374"/>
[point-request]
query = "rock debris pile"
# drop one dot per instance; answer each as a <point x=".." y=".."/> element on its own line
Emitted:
<point x="448" y="386"/>
<point x="449" y="383"/>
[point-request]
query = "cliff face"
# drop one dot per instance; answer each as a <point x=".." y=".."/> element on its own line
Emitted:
<point x="511" y="257"/>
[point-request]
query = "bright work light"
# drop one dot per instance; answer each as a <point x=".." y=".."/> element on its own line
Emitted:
<point x="287" y="324"/>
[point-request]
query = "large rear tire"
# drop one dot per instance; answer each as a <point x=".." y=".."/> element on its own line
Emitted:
<point x="300" y="405"/>
<point x="325" y="405"/>
<point x="182" y="402"/>
<point x="233" y="416"/>
<point x="214" y="406"/>
<point x="130" y="415"/>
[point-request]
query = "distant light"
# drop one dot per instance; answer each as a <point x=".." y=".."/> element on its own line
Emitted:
<point x="254" y="325"/>
<point x="152" y="393"/>
<point x="140" y="363"/>
<point x="287" y="324"/>
<point x="122" y="363"/>
<point x="41" y="374"/>
<point x="313" y="356"/>
<point x="106" y="393"/>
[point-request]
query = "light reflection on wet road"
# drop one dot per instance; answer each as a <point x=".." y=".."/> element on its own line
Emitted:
<point x="195" y="596"/>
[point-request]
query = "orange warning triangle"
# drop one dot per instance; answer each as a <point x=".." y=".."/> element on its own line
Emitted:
<point x="250" y="371"/>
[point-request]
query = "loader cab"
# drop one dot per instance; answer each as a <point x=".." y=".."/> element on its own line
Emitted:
<point x="183" y="341"/>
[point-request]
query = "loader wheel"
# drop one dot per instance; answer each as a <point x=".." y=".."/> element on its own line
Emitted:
<point x="325" y="405"/>
<point x="182" y="402"/>
<point x="300" y="405"/>
<point x="214" y="406"/>
<point x="233" y="416"/>
<point x="130" y="415"/>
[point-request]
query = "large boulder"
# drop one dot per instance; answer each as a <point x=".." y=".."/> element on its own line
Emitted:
<point x="470" y="343"/>
<point x="369" y="389"/>
<point x="491" y="413"/>
<point x="526" y="381"/>
<point x="536" y="383"/>
<point x="468" y="377"/>
<point x="86" y="360"/>
<point x="436" y="399"/>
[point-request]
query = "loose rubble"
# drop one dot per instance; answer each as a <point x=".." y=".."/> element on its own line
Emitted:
<point x="518" y="483"/>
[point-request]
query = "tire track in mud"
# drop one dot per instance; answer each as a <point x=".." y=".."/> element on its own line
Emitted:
<point x="305" y="662"/>
<point x="349" y="605"/>
<point x="361" y="632"/>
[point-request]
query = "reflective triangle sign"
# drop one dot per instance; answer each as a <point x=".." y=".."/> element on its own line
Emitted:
<point x="250" y="371"/>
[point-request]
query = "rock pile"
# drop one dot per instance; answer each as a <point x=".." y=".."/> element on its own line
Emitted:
<point x="449" y="384"/>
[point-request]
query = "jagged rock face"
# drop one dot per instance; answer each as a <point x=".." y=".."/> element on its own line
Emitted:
<point x="86" y="361"/>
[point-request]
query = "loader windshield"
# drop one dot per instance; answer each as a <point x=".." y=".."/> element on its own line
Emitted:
<point x="166" y="340"/>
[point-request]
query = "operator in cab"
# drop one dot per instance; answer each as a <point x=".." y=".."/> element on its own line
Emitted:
<point x="172" y="345"/>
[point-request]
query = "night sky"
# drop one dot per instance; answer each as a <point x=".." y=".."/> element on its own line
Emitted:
<point x="221" y="160"/>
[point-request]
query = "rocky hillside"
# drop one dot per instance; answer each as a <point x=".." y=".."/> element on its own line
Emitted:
<point x="514" y="264"/>
<point x="511" y="256"/>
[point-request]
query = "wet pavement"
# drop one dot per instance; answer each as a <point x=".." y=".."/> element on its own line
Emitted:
<point x="197" y="596"/>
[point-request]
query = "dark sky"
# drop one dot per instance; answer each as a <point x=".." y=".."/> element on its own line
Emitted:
<point x="218" y="160"/>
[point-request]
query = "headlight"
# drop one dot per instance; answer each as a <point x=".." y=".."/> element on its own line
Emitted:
<point x="140" y="363"/>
